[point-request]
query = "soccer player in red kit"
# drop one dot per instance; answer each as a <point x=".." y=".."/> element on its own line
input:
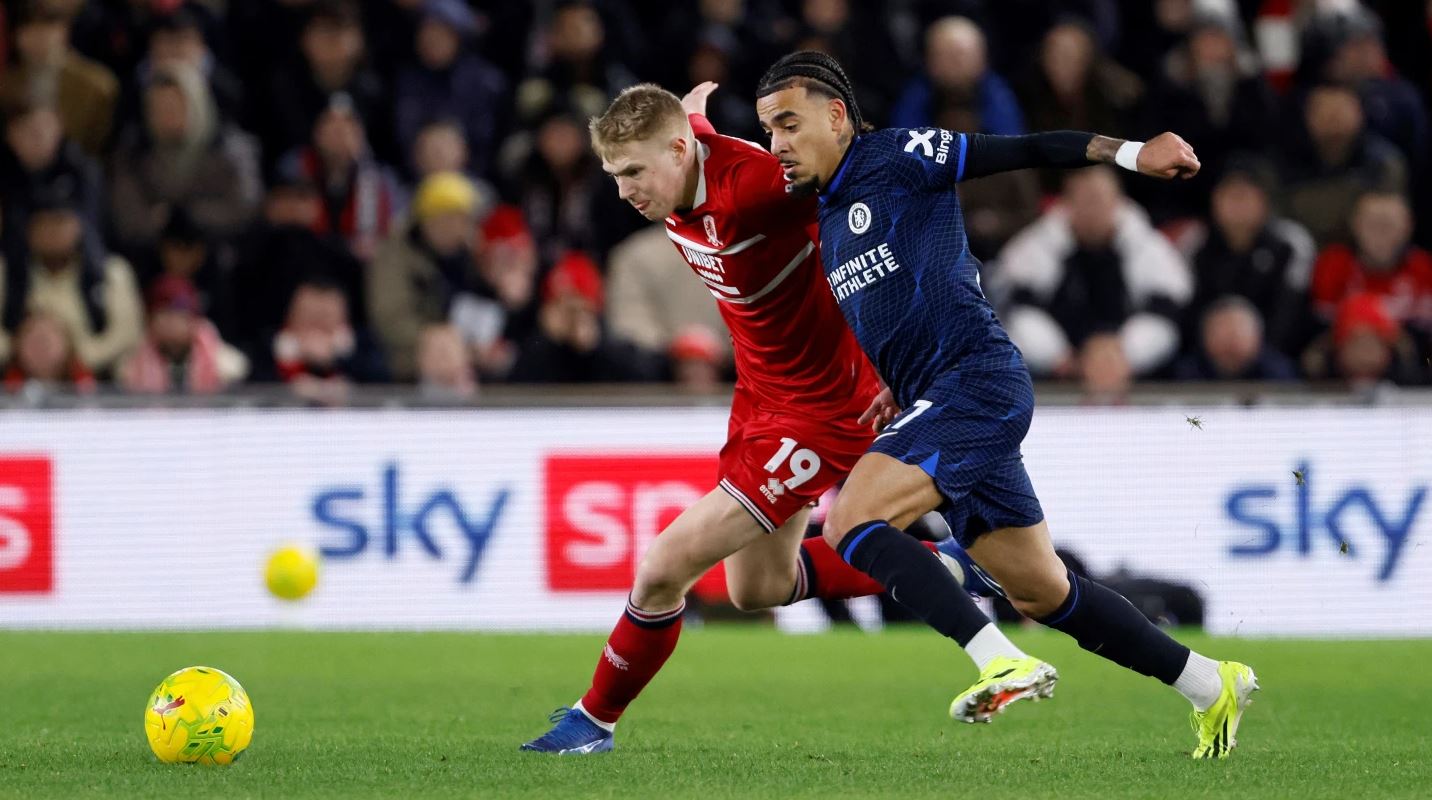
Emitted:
<point x="803" y="399"/>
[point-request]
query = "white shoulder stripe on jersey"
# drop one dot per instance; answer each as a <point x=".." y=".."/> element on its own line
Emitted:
<point x="776" y="281"/>
<point x="730" y="250"/>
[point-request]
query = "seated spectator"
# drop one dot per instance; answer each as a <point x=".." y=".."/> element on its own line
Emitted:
<point x="1232" y="347"/>
<point x="1092" y="265"/>
<point x="445" y="372"/>
<point x="418" y="273"/>
<point x="581" y="65"/>
<point x="1244" y="250"/>
<point x="332" y="46"/>
<point x="96" y="299"/>
<point x="1076" y="86"/>
<point x="36" y="157"/>
<point x="697" y="358"/>
<point x="564" y="195"/>
<point x="1358" y="58"/>
<point x="1339" y="160"/>
<point x="185" y="252"/>
<point x="45" y="359"/>
<point x="86" y="92"/>
<point x="957" y="78"/>
<point x="1213" y="95"/>
<point x="319" y="353"/>
<point x="1366" y="346"/>
<point x="448" y="81"/>
<point x="1382" y="261"/>
<point x="1104" y="371"/>
<point x="182" y="352"/>
<point x="440" y="146"/>
<point x="652" y="296"/>
<point x="570" y="345"/>
<point x="361" y="198"/>
<point x="183" y="156"/>
<point x="501" y="310"/>
<point x="178" y="38"/>
<point x="280" y="252"/>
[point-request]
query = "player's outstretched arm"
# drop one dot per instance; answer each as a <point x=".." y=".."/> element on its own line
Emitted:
<point x="694" y="102"/>
<point x="1165" y="156"/>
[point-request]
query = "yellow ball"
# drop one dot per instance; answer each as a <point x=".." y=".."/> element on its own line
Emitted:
<point x="292" y="572"/>
<point x="199" y="715"/>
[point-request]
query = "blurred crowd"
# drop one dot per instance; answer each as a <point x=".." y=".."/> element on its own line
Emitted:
<point x="196" y="194"/>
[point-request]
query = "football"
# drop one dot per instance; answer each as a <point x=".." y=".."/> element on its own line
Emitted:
<point x="292" y="572"/>
<point x="199" y="715"/>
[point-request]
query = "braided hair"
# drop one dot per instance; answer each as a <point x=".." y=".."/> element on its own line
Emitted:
<point x="815" y="72"/>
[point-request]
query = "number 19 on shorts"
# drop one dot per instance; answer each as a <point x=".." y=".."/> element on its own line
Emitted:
<point x="803" y="463"/>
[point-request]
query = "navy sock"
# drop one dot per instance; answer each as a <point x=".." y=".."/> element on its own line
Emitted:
<point x="914" y="577"/>
<point x="1103" y="622"/>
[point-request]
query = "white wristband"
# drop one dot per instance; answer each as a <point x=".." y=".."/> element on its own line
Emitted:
<point x="1128" y="155"/>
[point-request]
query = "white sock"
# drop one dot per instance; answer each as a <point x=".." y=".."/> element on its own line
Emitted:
<point x="1199" y="681"/>
<point x="990" y="643"/>
<point x="606" y="726"/>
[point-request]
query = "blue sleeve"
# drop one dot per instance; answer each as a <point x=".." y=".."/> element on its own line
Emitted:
<point x="925" y="159"/>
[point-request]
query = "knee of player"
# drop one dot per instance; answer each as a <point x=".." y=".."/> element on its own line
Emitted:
<point x="751" y="598"/>
<point x="657" y="580"/>
<point x="1039" y="599"/>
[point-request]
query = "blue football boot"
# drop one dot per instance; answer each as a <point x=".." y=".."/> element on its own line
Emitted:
<point x="572" y="734"/>
<point x="975" y="580"/>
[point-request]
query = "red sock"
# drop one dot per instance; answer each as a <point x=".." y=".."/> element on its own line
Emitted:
<point x="821" y="572"/>
<point x="640" y="643"/>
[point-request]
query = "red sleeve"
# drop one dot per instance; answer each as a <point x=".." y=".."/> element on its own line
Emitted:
<point x="700" y="125"/>
<point x="1330" y="278"/>
<point x="759" y="184"/>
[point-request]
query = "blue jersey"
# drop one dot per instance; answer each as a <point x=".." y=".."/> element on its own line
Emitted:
<point x="895" y="254"/>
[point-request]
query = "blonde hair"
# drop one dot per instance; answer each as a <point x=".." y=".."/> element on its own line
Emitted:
<point x="637" y="114"/>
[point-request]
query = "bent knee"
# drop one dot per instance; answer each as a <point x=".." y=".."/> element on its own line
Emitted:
<point x="1041" y="599"/>
<point x="658" y="585"/>
<point x="754" y="598"/>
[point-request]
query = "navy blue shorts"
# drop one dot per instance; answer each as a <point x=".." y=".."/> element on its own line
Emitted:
<point x="964" y="432"/>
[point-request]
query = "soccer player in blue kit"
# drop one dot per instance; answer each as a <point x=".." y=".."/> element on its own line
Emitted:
<point x="896" y="257"/>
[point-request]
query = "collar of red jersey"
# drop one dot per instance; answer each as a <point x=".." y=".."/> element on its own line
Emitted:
<point x="702" y="151"/>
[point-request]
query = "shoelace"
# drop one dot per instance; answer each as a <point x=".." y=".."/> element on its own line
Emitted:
<point x="558" y="715"/>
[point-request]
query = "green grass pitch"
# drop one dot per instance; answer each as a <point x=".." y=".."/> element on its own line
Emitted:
<point x="740" y="712"/>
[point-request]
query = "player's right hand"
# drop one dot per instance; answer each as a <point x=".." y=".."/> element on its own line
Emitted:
<point x="695" y="100"/>
<point x="1168" y="156"/>
<point x="881" y="411"/>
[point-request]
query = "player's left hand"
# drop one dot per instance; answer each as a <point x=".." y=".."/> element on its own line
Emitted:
<point x="881" y="411"/>
<point x="695" y="100"/>
<point x="1168" y="156"/>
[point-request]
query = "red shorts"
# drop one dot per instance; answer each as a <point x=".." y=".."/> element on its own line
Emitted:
<point x="777" y="462"/>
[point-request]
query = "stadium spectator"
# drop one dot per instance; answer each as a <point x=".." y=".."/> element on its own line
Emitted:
<point x="45" y="360"/>
<point x="182" y="352"/>
<point x="1394" y="109"/>
<point x="86" y="92"/>
<point x="1092" y="265"/>
<point x="1212" y="94"/>
<point x="652" y="295"/>
<point x="37" y="156"/>
<point x="361" y="198"/>
<point x="1105" y="374"/>
<point x="178" y="38"/>
<point x="581" y="68"/>
<point x="502" y="309"/>
<point x="570" y="345"/>
<point x="1244" y="250"/>
<point x="1232" y="347"/>
<point x="440" y="146"/>
<point x="1324" y="173"/>
<point x="95" y="298"/>
<point x="184" y="156"/>
<point x="696" y="358"/>
<point x="1381" y="261"/>
<point x="418" y="273"/>
<point x="858" y="35"/>
<point x="280" y="252"/>
<point x="332" y="64"/>
<point x="448" y="81"/>
<point x="563" y="193"/>
<point x="957" y="85"/>
<point x="445" y="373"/>
<point x="1075" y="86"/>
<point x="1365" y="346"/>
<point x="185" y="252"/>
<point x="319" y="353"/>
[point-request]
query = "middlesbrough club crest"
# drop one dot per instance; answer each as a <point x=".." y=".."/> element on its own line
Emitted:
<point x="709" y="222"/>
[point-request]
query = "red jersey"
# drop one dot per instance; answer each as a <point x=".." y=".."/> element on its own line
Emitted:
<point x="1405" y="290"/>
<point x="756" y="249"/>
